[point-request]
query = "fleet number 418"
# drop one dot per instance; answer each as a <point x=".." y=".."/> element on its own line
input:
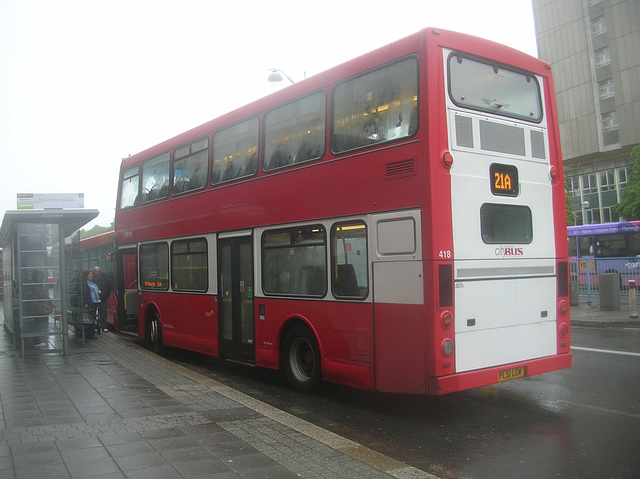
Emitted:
<point x="445" y="254"/>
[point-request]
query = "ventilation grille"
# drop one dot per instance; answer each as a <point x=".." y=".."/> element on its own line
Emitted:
<point x="400" y="168"/>
<point x="502" y="138"/>
<point x="537" y="145"/>
<point x="464" y="131"/>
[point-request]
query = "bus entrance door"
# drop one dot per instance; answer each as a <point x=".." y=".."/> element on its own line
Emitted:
<point x="127" y="290"/>
<point x="235" y="297"/>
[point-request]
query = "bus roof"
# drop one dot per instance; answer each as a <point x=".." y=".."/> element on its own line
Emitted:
<point x="408" y="45"/>
<point x="97" y="240"/>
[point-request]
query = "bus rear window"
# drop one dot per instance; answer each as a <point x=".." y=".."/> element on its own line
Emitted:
<point x="506" y="224"/>
<point x="488" y="87"/>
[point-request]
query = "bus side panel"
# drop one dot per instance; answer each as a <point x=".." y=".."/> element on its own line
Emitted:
<point x="343" y="330"/>
<point x="189" y="325"/>
<point x="400" y="329"/>
<point x="559" y="194"/>
<point x="400" y="348"/>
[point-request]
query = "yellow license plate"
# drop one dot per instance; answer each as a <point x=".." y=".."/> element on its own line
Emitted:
<point x="514" y="373"/>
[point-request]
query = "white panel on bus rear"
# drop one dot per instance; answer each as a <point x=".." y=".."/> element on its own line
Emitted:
<point x="519" y="325"/>
<point x="504" y="263"/>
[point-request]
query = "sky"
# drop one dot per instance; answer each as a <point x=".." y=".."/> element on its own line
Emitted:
<point x="85" y="83"/>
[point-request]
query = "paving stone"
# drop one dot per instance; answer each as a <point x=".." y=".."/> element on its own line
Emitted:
<point x="112" y="410"/>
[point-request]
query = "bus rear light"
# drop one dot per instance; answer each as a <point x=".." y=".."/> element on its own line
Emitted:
<point x="447" y="319"/>
<point x="447" y="159"/>
<point x="563" y="279"/>
<point x="564" y="330"/>
<point x="553" y="173"/>
<point x="564" y="308"/>
<point x="447" y="347"/>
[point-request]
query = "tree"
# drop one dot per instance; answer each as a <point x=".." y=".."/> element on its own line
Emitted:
<point x="629" y="207"/>
<point x="571" y="215"/>
<point x="96" y="230"/>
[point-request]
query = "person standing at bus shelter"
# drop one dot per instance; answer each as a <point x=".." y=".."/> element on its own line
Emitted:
<point x="105" y="287"/>
<point x="90" y="303"/>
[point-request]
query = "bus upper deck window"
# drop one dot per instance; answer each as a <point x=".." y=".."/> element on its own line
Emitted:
<point x="379" y="106"/>
<point x="129" y="187"/>
<point x="295" y="132"/>
<point x="190" y="164"/>
<point x="155" y="178"/>
<point x="235" y="152"/>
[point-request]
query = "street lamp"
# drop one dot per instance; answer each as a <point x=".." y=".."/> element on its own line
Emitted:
<point x="585" y="205"/>
<point x="275" y="76"/>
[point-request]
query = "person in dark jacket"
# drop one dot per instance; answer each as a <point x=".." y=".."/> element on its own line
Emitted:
<point x="90" y="303"/>
<point x="105" y="286"/>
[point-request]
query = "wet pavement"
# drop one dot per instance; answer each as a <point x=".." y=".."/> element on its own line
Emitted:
<point x="112" y="409"/>
<point x="592" y="315"/>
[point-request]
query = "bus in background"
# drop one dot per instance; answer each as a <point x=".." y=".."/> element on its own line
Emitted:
<point x="396" y="223"/>
<point x="99" y="251"/>
<point x="605" y="240"/>
<point x="604" y="248"/>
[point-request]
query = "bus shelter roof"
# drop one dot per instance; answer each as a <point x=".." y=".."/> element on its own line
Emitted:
<point x="70" y="220"/>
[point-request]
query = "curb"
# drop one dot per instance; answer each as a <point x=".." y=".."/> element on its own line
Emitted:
<point x="599" y="323"/>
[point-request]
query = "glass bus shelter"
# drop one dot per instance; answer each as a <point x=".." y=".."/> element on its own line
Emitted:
<point x="35" y="273"/>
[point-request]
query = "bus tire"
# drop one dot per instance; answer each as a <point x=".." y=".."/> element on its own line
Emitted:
<point x="155" y="333"/>
<point x="300" y="359"/>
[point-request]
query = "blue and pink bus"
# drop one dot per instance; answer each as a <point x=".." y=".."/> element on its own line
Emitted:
<point x="604" y="248"/>
<point x="606" y="240"/>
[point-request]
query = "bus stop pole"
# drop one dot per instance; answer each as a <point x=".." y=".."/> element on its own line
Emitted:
<point x="633" y="313"/>
<point x="63" y="295"/>
<point x="587" y="261"/>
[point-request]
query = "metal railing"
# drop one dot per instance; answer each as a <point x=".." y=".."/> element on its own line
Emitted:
<point x="584" y="273"/>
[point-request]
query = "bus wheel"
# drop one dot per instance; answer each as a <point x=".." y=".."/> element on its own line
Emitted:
<point x="300" y="360"/>
<point x="155" y="333"/>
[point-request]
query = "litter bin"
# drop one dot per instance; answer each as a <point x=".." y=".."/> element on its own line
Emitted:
<point x="573" y="293"/>
<point x="609" y="291"/>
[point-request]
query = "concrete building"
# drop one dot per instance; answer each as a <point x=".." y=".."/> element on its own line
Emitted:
<point x="593" y="47"/>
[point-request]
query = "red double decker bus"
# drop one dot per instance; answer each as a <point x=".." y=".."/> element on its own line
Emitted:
<point x="396" y="223"/>
<point x="96" y="251"/>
